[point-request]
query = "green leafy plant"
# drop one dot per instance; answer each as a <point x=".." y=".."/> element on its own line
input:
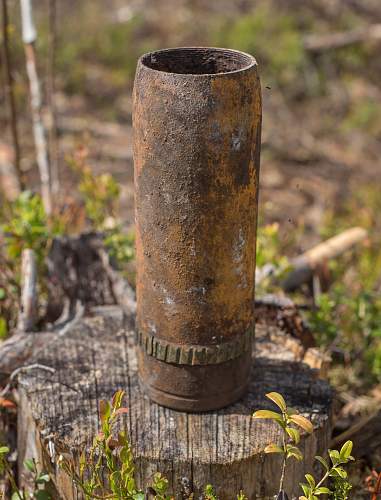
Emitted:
<point x="39" y="479"/>
<point x="334" y="470"/>
<point x="289" y="421"/>
<point x="209" y="493"/>
<point x="26" y="226"/>
<point x="110" y="458"/>
<point x="101" y="198"/>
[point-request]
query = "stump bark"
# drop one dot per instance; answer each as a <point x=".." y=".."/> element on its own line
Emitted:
<point x="96" y="356"/>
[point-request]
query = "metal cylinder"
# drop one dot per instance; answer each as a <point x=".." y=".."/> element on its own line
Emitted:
<point x="197" y="125"/>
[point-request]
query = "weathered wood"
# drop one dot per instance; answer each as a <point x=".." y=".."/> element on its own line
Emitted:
<point x="76" y="274"/>
<point x="80" y="275"/>
<point x="59" y="412"/>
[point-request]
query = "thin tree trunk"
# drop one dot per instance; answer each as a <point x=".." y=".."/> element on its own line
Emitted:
<point x="29" y="37"/>
<point x="11" y="96"/>
<point x="53" y="134"/>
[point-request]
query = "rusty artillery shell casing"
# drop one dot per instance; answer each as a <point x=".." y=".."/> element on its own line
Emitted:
<point x="197" y="126"/>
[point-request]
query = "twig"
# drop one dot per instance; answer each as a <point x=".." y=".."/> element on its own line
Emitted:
<point x="284" y="463"/>
<point x="319" y="43"/>
<point x="29" y="36"/>
<point x="305" y="264"/>
<point x="28" y="302"/>
<point x="9" y="89"/>
<point x="16" y="372"/>
<point x="51" y="88"/>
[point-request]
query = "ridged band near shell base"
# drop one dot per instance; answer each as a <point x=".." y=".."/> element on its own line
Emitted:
<point x="180" y="354"/>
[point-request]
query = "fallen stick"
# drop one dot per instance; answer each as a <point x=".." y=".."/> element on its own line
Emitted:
<point x="305" y="265"/>
<point x="320" y="43"/>
<point x="28" y="300"/>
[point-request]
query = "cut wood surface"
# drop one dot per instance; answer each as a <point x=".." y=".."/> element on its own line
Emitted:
<point x="96" y="357"/>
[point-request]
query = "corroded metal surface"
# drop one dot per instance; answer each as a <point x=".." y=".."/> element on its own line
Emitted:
<point x="195" y="354"/>
<point x="197" y="119"/>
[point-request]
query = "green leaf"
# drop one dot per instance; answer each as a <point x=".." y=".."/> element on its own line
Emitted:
<point x="273" y="448"/>
<point x="293" y="451"/>
<point x="43" y="478"/>
<point x="302" y="422"/>
<point x="334" y="456"/>
<point x="160" y="483"/>
<point x="346" y="450"/>
<point x="30" y="465"/>
<point x="323" y="491"/>
<point x="306" y="489"/>
<point x="117" y="399"/>
<point x="3" y="328"/>
<point x="294" y="434"/>
<point x="341" y="472"/>
<point x="310" y="480"/>
<point x="278" y="400"/>
<point x="323" y="461"/>
<point x="268" y="414"/>
<point x="4" y="450"/>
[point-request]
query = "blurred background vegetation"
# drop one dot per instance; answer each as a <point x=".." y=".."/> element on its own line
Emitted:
<point x="320" y="69"/>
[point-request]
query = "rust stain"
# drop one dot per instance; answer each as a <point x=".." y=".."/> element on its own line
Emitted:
<point x="197" y="118"/>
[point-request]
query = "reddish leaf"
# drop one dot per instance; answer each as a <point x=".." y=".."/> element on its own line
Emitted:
<point x="6" y="403"/>
<point x="121" y="410"/>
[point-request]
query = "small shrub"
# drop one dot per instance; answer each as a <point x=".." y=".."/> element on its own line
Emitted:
<point x="101" y="198"/>
<point x="110" y="458"/>
<point x="26" y="226"/>
<point x="290" y="421"/>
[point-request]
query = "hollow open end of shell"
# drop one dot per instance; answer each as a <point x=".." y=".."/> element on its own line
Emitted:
<point x="198" y="61"/>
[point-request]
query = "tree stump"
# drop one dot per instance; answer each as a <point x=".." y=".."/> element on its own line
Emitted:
<point x="96" y="356"/>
